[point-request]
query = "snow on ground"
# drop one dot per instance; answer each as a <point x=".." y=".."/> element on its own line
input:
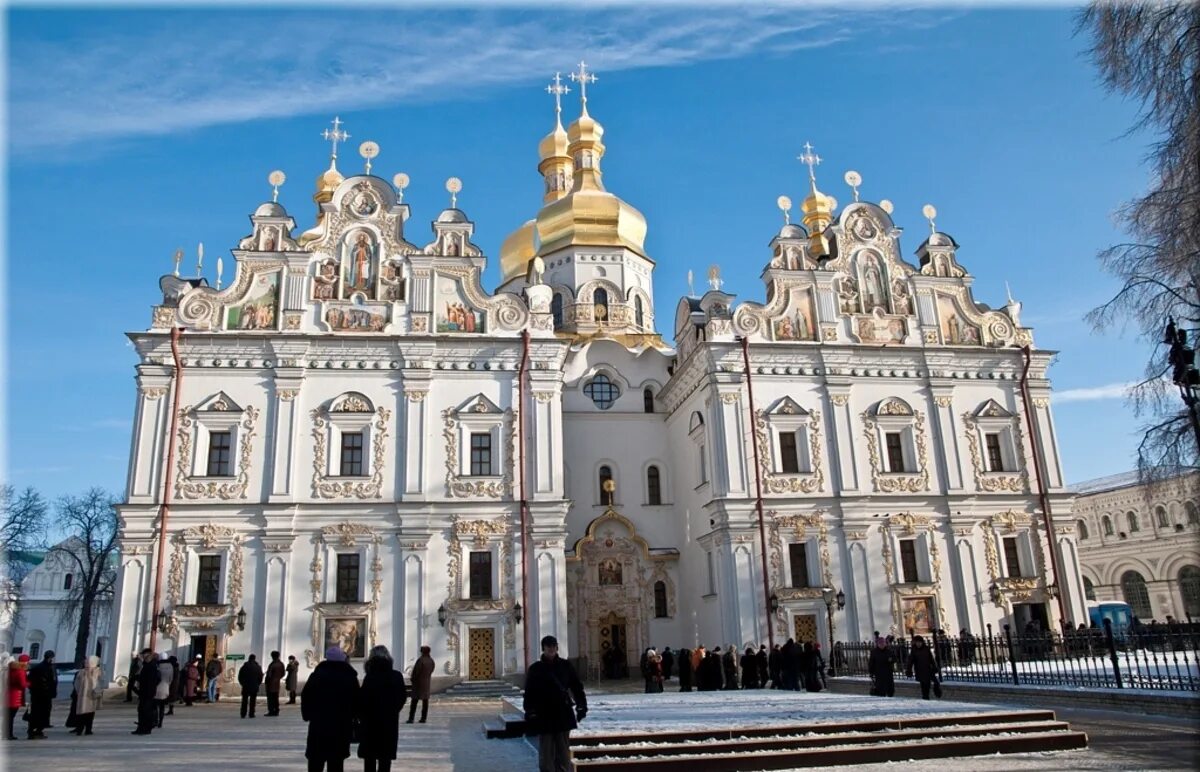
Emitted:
<point x="691" y="711"/>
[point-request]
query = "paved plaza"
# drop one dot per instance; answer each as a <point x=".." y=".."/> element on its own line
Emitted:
<point x="215" y="737"/>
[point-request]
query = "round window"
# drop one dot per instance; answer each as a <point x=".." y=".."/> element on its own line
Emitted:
<point x="602" y="391"/>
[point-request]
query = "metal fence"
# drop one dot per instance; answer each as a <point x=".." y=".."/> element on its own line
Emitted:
<point x="1156" y="657"/>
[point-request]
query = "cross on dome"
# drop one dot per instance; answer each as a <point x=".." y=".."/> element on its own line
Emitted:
<point x="335" y="136"/>
<point x="811" y="160"/>
<point x="557" y="89"/>
<point x="583" y="77"/>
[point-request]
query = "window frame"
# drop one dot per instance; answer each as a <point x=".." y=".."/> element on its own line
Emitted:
<point x="341" y="590"/>
<point x="224" y="458"/>
<point x="801" y="549"/>
<point x="481" y="466"/>
<point x="898" y="449"/>
<point x="215" y="574"/>
<point x="360" y="450"/>
<point x="1011" y="548"/>
<point x="611" y="389"/>
<point x="662" y="608"/>
<point x="903" y="563"/>
<point x="654" y="496"/>
<point x="473" y="570"/>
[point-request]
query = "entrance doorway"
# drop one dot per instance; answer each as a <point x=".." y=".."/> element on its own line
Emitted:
<point x="1024" y="613"/>
<point x="204" y="646"/>
<point x="613" y="644"/>
<point x="481" y="653"/>
<point x="805" y="626"/>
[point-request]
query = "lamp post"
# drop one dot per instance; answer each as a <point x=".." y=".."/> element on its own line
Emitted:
<point x="1182" y="359"/>
<point x="831" y="598"/>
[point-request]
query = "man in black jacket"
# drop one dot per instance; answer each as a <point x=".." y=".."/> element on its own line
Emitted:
<point x="43" y="688"/>
<point x="147" y="685"/>
<point x="327" y="704"/>
<point x="250" y="677"/>
<point x="554" y="704"/>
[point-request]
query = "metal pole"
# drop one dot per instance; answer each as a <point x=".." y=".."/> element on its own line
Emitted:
<point x="164" y="508"/>
<point x="758" y="500"/>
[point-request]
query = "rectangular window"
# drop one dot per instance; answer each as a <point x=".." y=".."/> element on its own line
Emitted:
<point x="1012" y="556"/>
<point x="208" y="583"/>
<point x="798" y="555"/>
<point x="712" y="574"/>
<point x="703" y="466"/>
<point x="995" y="457"/>
<point x="347" y="578"/>
<point x="481" y="576"/>
<point x="895" y="452"/>
<point x="352" y="455"/>
<point x="789" y="462"/>
<point x="908" y="560"/>
<point x="481" y="454"/>
<point x="219" y="455"/>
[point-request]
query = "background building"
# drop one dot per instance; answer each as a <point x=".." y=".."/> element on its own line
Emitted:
<point x="371" y="448"/>
<point x="1140" y="543"/>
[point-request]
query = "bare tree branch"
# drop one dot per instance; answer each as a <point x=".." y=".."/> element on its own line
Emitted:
<point x="90" y="521"/>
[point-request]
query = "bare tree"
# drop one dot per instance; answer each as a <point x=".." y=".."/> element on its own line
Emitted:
<point x="22" y="531"/>
<point x="89" y="551"/>
<point x="1150" y="52"/>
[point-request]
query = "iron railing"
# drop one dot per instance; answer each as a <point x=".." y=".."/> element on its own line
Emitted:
<point x="1147" y="657"/>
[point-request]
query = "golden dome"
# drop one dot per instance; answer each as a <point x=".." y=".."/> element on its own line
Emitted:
<point x="516" y="251"/>
<point x="328" y="182"/>
<point x="589" y="215"/>
<point x="554" y="145"/>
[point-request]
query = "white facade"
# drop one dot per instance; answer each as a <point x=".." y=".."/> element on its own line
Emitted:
<point x="32" y="619"/>
<point x="1140" y="543"/>
<point x="351" y="330"/>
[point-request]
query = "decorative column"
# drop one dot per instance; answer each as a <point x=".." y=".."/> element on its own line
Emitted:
<point x="288" y="382"/>
<point x="416" y="384"/>
<point x="730" y="426"/>
<point x="410" y="617"/>
<point x="1043" y="422"/>
<point x="543" y="439"/>
<point x="950" y="455"/>
<point x="150" y="425"/>
<point x="845" y="472"/>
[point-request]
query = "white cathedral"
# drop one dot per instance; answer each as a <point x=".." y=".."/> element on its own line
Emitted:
<point x="355" y="443"/>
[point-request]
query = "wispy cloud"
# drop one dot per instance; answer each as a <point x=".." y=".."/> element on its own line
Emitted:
<point x="181" y="70"/>
<point x="1093" y="393"/>
<point x="99" y="424"/>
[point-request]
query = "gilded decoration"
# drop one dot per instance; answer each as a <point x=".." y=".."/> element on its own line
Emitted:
<point x="201" y="307"/>
<point x="778" y="482"/>
<point x="993" y="482"/>
<point x="154" y="392"/>
<point x="841" y="400"/>
<point x="415" y="395"/>
<point x="896" y="482"/>
<point x="463" y="487"/>
<point x="943" y="401"/>
<point x="189" y="487"/>
<point x="1013" y="589"/>
<point x="326" y="486"/>
<point x="478" y="533"/>
<point x="795" y="527"/>
<point x="346" y="533"/>
<point x="287" y="395"/>
<point x="729" y="397"/>
<point x="908" y="525"/>
<point x="162" y="318"/>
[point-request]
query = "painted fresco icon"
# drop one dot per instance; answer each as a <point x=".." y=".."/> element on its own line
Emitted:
<point x="391" y="281"/>
<point x="797" y="322"/>
<point x="260" y="309"/>
<point x="454" y="313"/>
<point x="359" y="254"/>
<point x="364" y="204"/>
<point x="325" y="281"/>
<point x="347" y="633"/>
<point x="610" y="572"/>
<point x="356" y="317"/>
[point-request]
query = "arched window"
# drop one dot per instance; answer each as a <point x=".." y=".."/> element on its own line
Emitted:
<point x="653" y="486"/>
<point x="67" y="581"/>
<point x="1164" y="521"/>
<point x="1106" y="521"/>
<point x="1082" y="528"/>
<point x="1133" y="587"/>
<point x="639" y="313"/>
<point x="35" y="649"/>
<point x="660" y="599"/>
<point x="1133" y="521"/>
<point x="556" y="311"/>
<point x="647" y="400"/>
<point x="1193" y="517"/>
<point x="1189" y="588"/>
<point x="1089" y="590"/>
<point x="600" y="304"/>
<point x="602" y="391"/>
<point x="604" y="476"/>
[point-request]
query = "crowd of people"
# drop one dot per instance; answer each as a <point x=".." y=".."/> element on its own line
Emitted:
<point x="792" y="666"/>
<point x="31" y="690"/>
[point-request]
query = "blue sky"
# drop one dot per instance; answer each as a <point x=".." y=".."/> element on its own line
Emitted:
<point x="135" y="133"/>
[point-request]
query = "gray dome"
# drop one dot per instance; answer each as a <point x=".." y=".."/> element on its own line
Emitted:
<point x="940" y="239"/>
<point x="270" y="209"/>
<point x="792" y="231"/>
<point x="452" y="215"/>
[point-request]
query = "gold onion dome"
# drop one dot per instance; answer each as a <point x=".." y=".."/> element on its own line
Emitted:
<point x="553" y="145"/>
<point x="328" y="182"/>
<point x="516" y="251"/>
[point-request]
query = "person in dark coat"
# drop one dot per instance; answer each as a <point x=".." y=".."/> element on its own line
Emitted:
<point x="43" y="688"/>
<point x="811" y="668"/>
<point x="711" y="679"/>
<point x="422" y="678"/>
<point x="292" y="682"/>
<point x="274" y="682"/>
<point x="749" y="669"/>
<point x="880" y="667"/>
<point x="327" y="703"/>
<point x="922" y="665"/>
<point x="787" y="665"/>
<point x="176" y="684"/>
<point x="668" y="663"/>
<point x="135" y="666"/>
<point x="554" y="704"/>
<point x="146" y="689"/>
<point x="380" y="701"/>
<point x="685" y="670"/>
<point x="775" y="667"/>
<point x="250" y="677"/>
<point x="729" y="668"/>
<point x="763" y="666"/>
<point x="212" y="671"/>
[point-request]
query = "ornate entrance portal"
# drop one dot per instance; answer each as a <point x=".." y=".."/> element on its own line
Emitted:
<point x="611" y="580"/>
<point x="805" y="627"/>
<point x="481" y="654"/>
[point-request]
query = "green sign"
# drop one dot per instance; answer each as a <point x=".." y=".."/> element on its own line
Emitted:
<point x="234" y="657"/>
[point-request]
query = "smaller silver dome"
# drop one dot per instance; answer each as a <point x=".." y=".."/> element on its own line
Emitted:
<point x="452" y="215"/>
<point x="939" y="239"/>
<point x="270" y="209"/>
<point x="792" y="231"/>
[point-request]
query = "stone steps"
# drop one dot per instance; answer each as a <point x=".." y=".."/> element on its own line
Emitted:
<point x="478" y="690"/>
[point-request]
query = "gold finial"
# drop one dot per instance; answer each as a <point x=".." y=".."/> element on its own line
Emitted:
<point x="199" y="259"/>
<point x="454" y="187"/>
<point x="811" y="160"/>
<point x="930" y="212"/>
<point x="557" y="89"/>
<point x="583" y="77"/>
<point x="220" y="270"/>
<point x="785" y="205"/>
<point x="276" y="178"/>
<point x="714" y="277"/>
<point x="335" y="137"/>
<point x="368" y="150"/>
<point x="853" y="179"/>
<point x="401" y="182"/>
<point x="178" y="260"/>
